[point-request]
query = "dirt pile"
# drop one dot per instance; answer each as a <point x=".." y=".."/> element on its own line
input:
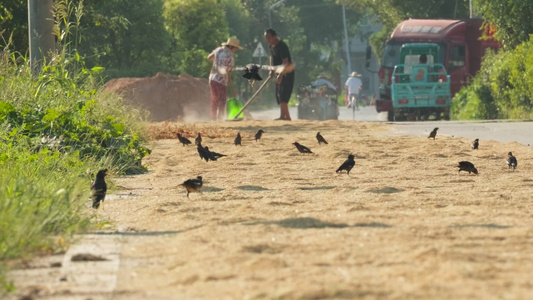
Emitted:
<point x="165" y="96"/>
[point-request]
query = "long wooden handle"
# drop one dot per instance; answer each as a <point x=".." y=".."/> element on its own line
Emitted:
<point x="253" y="97"/>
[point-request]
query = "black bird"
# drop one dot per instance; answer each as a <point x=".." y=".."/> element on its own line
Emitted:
<point x="475" y="144"/>
<point x="213" y="155"/>
<point x="183" y="140"/>
<point x="320" y="138"/>
<point x="198" y="139"/>
<point x="203" y="153"/>
<point x="302" y="148"/>
<point x="511" y="161"/>
<point x="347" y="165"/>
<point x="433" y="133"/>
<point x="259" y="134"/>
<point x="238" y="139"/>
<point x="467" y="166"/>
<point x="99" y="188"/>
<point x="252" y="72"/>
<point x="193" y="185"/>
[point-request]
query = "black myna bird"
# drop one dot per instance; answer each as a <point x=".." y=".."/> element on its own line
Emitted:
<point x="347" y="165"/>
<point x="238" y="139"/>
<point x="433" y="133"/>
<point x="202" y="152"/>
<point x="213" y="155"/>
<point x="320" y="138"/>
<point x="302" y="148"/>
<point x="198" y="139"/>
<point x="99" y="188"/>
<point x="259" y="134"/>
<point x="467" y="166"/>
<point x="475" y="144"/>
<point x="193" y="185"/>
<point x="511" y="161"/>
<point x="183" y="140"/>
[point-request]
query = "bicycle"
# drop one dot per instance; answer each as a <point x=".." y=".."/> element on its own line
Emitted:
<point x="354" y="103"/>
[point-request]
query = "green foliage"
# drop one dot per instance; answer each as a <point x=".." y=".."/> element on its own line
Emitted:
<point x="56" y="130"/>
<point x="194" y="62"/>
<point x="239" y="21"/>
<point x="198" y="26"/>
<point x="46" y="199"/>
<point x="14" y="22"/>
<point x="511" y="17"/>
<point x="55" y="111"/>
<point x="125" y="35"/>
<point x="501" y="90"/>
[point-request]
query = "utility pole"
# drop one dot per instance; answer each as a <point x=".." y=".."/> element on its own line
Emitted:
<point x="40" y="31"/>
<point x="474" y="12"/>
<point x="346" y="44"/>
<point x="270" y="9"/>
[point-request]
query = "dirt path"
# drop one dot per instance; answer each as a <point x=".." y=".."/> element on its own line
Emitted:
<point x="272" y="223"/>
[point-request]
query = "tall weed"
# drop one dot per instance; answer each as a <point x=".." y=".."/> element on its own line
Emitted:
<point x="56" y="130"/>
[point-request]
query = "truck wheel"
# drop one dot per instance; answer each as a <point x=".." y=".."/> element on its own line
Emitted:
<point x="447" y="114"/>
<point x="399" y="115"/>
<point x="390" y="115"/>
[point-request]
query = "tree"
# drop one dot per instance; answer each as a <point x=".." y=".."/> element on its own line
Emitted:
<point x="197" y="26"/>
<point x="127" y="37"/>
<point x="14" y="21"/>
<point x="323" y="28"/>
<point x="511" y="17"/>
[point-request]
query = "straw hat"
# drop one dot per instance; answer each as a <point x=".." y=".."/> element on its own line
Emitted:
<point x="355" y="74"/>
<point x="233" y="42"/>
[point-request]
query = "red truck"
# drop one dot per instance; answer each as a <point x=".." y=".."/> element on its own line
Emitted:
<point x="460" y="51"/>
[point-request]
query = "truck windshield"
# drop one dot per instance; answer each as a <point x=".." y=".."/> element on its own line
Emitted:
<point x="391" y="54"/>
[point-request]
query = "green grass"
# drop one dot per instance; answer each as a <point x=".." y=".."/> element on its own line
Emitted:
<point x="43" y="200"/>
<point x="57" y="129"/>
<point x="42" y="197"/>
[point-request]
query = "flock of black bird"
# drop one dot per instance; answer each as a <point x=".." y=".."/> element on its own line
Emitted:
<point x="468" y="166"/>
<point x="194" y="185"/>
<point x="99" y="186"/>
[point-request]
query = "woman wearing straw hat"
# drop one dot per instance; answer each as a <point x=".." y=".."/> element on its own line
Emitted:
<point x="220" y="76"/>
<point x="353" y="86"/>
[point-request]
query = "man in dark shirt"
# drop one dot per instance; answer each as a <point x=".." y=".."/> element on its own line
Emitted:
<point x="280" y="55"/>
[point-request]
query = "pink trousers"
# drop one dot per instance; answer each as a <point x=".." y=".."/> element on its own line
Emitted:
<point x="218" y="100"/>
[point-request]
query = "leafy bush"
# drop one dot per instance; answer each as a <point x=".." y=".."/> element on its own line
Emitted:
<point x="501" y="90"/>
<point x="69" y="114"/>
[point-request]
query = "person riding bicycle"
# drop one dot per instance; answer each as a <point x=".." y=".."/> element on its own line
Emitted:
<point x="353" y="86"/>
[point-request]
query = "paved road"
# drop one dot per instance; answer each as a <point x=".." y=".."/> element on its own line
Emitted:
<point x="499" y="130"/>
<point x="365" y="114"/>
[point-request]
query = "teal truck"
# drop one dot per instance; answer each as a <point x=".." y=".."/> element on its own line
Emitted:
<point x="420" y="88"/>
